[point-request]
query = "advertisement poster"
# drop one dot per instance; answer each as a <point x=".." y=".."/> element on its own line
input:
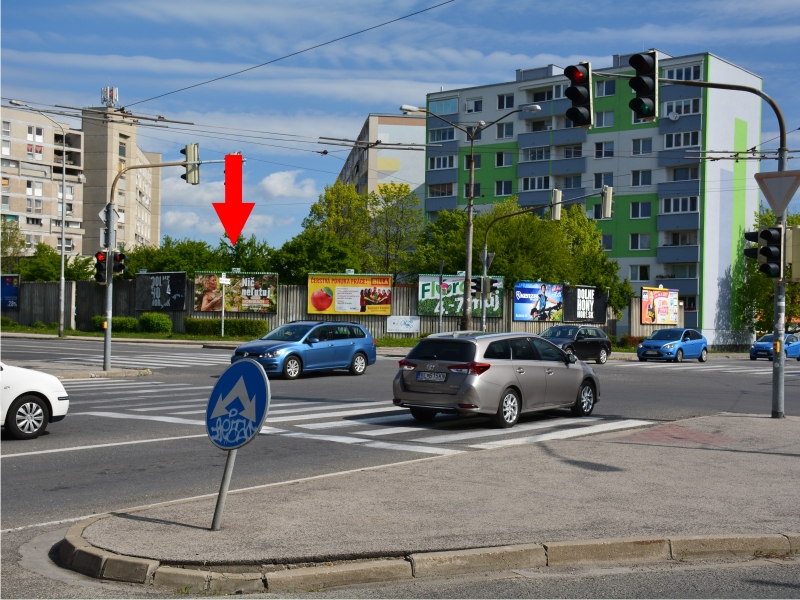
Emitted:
<point x="402" y="325"/>
<point x="247" y="292"/>
<point x="9" y="292"/>
<point x="659" y="306"/>
<point x="452" y="295"/>
<point x="584" y="303"/>
<point x="538" y="301"/>
<point x="161" y="291"/>
<point x="332" y="294"/>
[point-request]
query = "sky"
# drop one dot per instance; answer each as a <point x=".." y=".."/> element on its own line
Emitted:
<point x="64" y="52"/>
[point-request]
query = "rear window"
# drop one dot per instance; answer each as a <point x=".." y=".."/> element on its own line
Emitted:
<point x="357" y="332"/>
<point x="444" y="350"/>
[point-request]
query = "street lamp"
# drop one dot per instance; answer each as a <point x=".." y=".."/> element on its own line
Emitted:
<point x="466" y="319"/>
<point x="61" y="204"/>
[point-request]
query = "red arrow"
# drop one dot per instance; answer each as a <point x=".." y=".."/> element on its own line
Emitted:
<point x="233" y="213"/>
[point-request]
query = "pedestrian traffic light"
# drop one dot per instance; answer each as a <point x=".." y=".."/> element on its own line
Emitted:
<point x="100" y="267"/>
<point x="119" y="263"/>
<point x="555" y="205"/>
<point x="192" y="154"/>
<point x="645" y="84"/>
<point x="475" y="285"/>
<point x="608" y="201"/>
<point x="580" y="92"/>
<point x="770" y="242"/>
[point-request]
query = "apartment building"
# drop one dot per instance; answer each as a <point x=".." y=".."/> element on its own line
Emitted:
<point x="111" y="144"/>
<point x="32" y="152"/>
<point x="369" y="167"/>
<point x="678" y="220"/>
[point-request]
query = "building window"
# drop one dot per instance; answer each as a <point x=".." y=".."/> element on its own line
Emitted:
<point x="534" y="126"/>
<point x="468" y="161"/>
<point x="601" y="179"/>
<point x="441" y="162"/>
<point x="568" y="124"/>
<point x="33" y="221"/>
<point x="572" y="182"/>
<point x="541" y="95"/>
<point x="674" y="205"/>
<point x="642" y="146"/>
<point x="10" y="218"/>
<point x="505" y="130"/>
<point x="505" y="101"/>
<point x="681" y="140"/>
<point x="474" y="105"/>
<point x="39" y="134"/>
<point x="534" y="154"/>
<point x="6" y="200"/>
<point x="639" y="178"/>
<point x="640" y="210"/>
<point x="606" y="88"/>
<point x="441" y="135"/>
<point x="37" y="206"/>
<point x="67" y="244"/>
<point x="684" y="73"/>
<point x="573" y="151"/>
<point x="682" y="238"/>
<point x="604" y="150"/>
<point x="28" y="204"/>
<point x="690" y="303"/>
<point x="444" y="107"/>
<point x="439" y="190"/>
<point x="9" y="163"/>
<point x="595" y="212"/>
<point x="685" y="174"/>
<point x="30" y="133"/>
<point x="470" y="131"/>
<point x="37" y="188"/>
<point x="6" y="184"/>
<point x="558" y="90"/>
<point x="604" y="119"/>
<point x="530" y="184"/>
<point x="70" y="191"/>
<point x="606" y="241"/>
<point x="637" y="120"/>
<point x="503" y="159"/>
<point x="7" y="128"/>
<point x="30" y="151"/>
<point x="6" y="148"/>
<point x="688" y="271"/>
<point x="37" y="152"/>
<point x="640" y="272"/>
<point x="29" y="188"/>
<point x="68" y="206"/>
<point x="502" y="188"/>
<point x="123" y="149"/>
<point x="683" y="107"/>
<point x="640" y="241"/>
<point x="476" y="190"/>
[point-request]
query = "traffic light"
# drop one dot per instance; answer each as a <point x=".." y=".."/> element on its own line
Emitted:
<point x="495" y="284"/>
<point x="192" y="154"/>
<point x="752" y="236"/>
<point x="645" y="84"/>
<point x="608" y="201"/>
<point x="770" y="247"/>
<point x="100" y="267"/>
<point x="475" y="285"/>
<point x="555" y="205"/>
<point x="119" y="263"/>
<point x="580" y="92"/>
<point x="793" y="252"/>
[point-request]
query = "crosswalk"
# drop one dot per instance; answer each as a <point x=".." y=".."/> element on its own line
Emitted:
<point x="154" y="360"/>
<point x="365" y="423"/>
<point x="744" y="367"/>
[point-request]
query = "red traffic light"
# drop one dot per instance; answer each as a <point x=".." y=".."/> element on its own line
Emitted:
<point x="642" y="62"/>
<point x="101" y="256"/>
<point x="577" y="73"/>
<point x="119" y="257"/>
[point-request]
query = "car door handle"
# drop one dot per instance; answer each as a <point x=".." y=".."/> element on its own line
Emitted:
<point x="330" y="345"/>
<point x="520" y="371"/>
<point x="549" y="371"/>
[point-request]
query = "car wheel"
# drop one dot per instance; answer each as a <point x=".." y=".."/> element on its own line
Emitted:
<point x="754" y="358"/>
<point x="292" y="367"/>
<point x="703" y="356"/>
<point x="359" y="364"/>
<point x="508" y="411"/>
<point x="679" y="355"/>
<point x="423" y="414"/>
<point x="601" y="360"/>
<point x="27" y="417"/>
<point x="641" y="359"/>
<point x="584" y="404"/>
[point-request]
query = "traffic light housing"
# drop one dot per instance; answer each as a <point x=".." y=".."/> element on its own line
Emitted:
<point x="645" y="84"/>
<point x="495" y="284"/>
<point x="752" y="237"/>
<point x="793" y="252"/>
<point x="101" y="267"/>
<point x="771" y="248"/>
<point x="119" y="263"/>
<point x="608" y="201"/>
<point x="192" y="154"/>
<point x="475" y="285"/>
<point x="555" y="205"/>
<point x="580" y="92"/>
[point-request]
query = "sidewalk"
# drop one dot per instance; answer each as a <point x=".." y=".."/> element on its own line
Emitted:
<point x="724" y="474"/>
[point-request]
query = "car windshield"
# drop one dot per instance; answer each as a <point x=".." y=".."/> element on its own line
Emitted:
<point x="668" y="335"/>
<point x="559" y="332"/>
<point x="766" y="338"/>
<point x="444" y="350"/>
<point x="288" y="333"/>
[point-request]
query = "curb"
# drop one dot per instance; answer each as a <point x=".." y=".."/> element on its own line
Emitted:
<point x="104" y="374"/>
<point x="79" y="555"/>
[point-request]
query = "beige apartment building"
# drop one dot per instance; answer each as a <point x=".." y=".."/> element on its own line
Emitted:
<point x="32" y="149"/>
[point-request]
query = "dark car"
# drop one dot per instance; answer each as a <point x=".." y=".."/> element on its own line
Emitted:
<point x="587" y="343"/>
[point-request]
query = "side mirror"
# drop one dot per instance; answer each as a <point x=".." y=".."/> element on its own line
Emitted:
<point x="572" y="359"/>
<point x="579" y="337"/>
<point x="313" y="340"/>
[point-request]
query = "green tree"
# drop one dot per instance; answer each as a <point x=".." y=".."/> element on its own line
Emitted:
<point x="174" y="255"/>
<point x="248" y="254"/>
<point x="395" y="227"/>
<point x="442" y="239"/>
<point x="312" y="251"/>
<point x="45" y="265"/>
<point x="12" y="245"/>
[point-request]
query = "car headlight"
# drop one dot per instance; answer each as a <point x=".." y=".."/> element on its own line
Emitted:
<point x="640" y="346"/>
<point x="752" y="346"/>
<point x="668" y="346"/>
<point x="274" y="353"/>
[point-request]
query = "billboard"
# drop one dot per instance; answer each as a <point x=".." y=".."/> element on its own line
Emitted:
<point x="584" y="303"/>
<point x="247" y="292"/>
<point x="538" y="301"/>
<point x="9" y="292"/>
<point x="333" y="294"/>
<point x="659" y="306"/>
<point x="161" y="291"/>
<point x="452" y="296"/>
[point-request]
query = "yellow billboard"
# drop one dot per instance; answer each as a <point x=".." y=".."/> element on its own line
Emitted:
<point x="659" y="306"/>
<point x="333" y="294"/>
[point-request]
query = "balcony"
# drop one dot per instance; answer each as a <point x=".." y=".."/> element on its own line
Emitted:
<point x="535" y="198"/>
<point x="678" y="221"/>
<point x="685" y="287"/>
<point x="549" y="108"/>
<point x="572" y="193"/>
<point x="534" y="139"/>
<point x="566" y="166"/>
<point x="573" y="135"/>
<point x="672" y="189"/>
<point x="684" y="123"/>
<point x="441" y="176"/>
<point x="437" y="204"/>
<point x="678" y="157"/>
<point x="435" y="122"/>
<point x="678" y="254"/>
<point x="666" y="93"/>
<point x="533" y="168"/>
<point x="444" y="149"/>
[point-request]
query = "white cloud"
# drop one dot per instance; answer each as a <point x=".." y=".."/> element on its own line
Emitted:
<point x="284" y="184"/>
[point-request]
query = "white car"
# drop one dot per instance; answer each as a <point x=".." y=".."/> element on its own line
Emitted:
<point x="30" y="400"/>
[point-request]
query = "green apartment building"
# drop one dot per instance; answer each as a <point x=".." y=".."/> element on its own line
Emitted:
<point x="678" y="220"/>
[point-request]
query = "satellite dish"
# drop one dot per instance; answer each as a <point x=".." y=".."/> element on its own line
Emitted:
<point x="673" y="116"/>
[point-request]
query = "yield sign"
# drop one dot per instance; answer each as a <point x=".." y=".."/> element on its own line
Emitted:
<point x="779" y="188"/>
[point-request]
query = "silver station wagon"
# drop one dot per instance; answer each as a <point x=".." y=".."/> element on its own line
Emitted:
<point x="502" y="375"/>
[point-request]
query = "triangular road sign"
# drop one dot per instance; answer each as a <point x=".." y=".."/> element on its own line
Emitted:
<point x="779" y="188"/>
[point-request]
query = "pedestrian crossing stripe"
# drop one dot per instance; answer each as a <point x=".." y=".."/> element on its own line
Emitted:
<point x="154" y="361"/>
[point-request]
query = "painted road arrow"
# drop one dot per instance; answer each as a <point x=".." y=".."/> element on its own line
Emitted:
<point x="233" y="213"/>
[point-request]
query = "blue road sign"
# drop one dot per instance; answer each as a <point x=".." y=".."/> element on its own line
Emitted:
<point x="238" y="405"/>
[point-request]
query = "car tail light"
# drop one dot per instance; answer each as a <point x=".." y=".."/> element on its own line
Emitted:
<point x="396" y="401"/>
<point x="467" y="406"/>
<point x="407" y="366"/>
<point x="374" y="343"/>
<point x="473" y="367"/>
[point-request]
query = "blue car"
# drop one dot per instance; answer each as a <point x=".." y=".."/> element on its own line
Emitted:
<point x="674" y="345"/>
<point x="301" y="346"/>
<point x="763" y="347"/>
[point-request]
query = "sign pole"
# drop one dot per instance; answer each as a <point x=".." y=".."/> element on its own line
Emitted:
<point x="223" y="490"/>
<point x="223" y="310"/>
<point x="778" y="361"/>
<point x="441" y="294"/>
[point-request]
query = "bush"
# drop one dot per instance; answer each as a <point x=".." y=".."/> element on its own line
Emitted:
<point x="118" y="324"/>
<point x="153" y="322"/>
<point x="234" y="327"/>
<point x="39" y="325"/>
<point x="613" y="338"/>
<point x="6" y="322"/>
<point x="54" y="325"/>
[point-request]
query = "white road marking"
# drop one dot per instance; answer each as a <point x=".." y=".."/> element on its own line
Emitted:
<point x="162" y="407"/>
<point x="563" y="435"/>
<point x="326" y="415"/>
<point x="387" y="431"/>
<point x="359" y="422"/>
<point x="92" y="447"/>
<point x="467" y="435"/>
<point x="413" y="448"/>
<point x="112" y="415"/>
<point x="341" y="439"/>
<point x="299" y="410"/>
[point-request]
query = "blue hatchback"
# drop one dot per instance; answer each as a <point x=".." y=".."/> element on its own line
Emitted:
<point x="763" y="347"/>
<point x="674" y="345"/>
<point x="302" y="346"/>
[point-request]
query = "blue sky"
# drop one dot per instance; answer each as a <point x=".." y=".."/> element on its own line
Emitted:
<point x="64" y="52"/>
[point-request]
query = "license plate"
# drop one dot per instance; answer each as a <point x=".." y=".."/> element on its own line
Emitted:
<point x="426" y="376"/>
<point x="762" y="353"/>
<point x="651" y="352"/>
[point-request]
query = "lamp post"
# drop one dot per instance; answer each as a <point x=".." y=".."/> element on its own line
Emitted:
<point x="61" y="204"/>
<point x="466" y="318"/>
